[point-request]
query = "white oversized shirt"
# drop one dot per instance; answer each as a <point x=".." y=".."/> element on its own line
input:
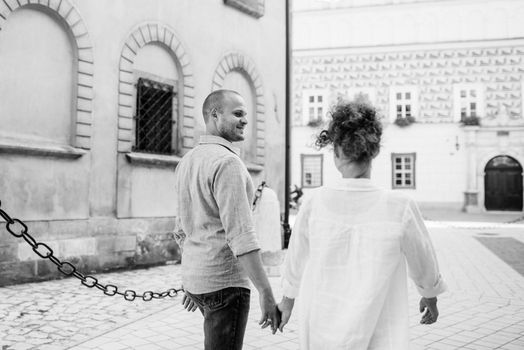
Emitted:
<point x="347" y="260"/>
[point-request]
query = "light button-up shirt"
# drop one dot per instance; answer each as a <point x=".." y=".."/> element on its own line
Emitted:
<point x="213" y="216"/>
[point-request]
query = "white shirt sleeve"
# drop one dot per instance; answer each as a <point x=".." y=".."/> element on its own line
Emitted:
<point x="420" y="254"/>
<point x="297" y="253"/>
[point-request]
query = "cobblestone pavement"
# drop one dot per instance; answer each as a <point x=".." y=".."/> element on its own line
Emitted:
<point x="483" y="309"/>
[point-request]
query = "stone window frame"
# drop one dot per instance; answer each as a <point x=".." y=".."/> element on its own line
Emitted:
<point x="83" y="118"/>
<point x="412" y="171"/>
<point x="141" y="35"/>
<point x="239" y="62"/>
<point x="480" y="99"/>
<point x="307" y="105"/>
<point x="303" y="157"/>
<point x="414" y="105"/>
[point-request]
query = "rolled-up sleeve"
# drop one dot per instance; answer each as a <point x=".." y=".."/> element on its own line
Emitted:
<point x="230" y="188"/>
<point x="420" y="254"/>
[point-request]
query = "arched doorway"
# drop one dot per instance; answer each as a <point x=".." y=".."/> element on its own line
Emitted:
<point x="503" y="184"/>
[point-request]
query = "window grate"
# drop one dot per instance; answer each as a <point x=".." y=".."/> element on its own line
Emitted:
<point x="154" y="117"/>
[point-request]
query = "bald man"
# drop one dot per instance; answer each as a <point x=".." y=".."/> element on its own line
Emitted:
<point x="214" y="228"/>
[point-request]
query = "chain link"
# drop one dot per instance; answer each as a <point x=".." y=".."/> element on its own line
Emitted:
<point x="18" y="229"/>
<point x="258" y="194"/>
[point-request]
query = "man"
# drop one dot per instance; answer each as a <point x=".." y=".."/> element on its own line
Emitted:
<point x="215" y="230"/>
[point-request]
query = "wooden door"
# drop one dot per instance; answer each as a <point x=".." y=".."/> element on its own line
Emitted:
<point x="503" y="184"/>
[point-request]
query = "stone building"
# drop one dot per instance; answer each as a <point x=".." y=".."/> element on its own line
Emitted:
<point x="447" y="79"/>
<point x="100" y="99"/>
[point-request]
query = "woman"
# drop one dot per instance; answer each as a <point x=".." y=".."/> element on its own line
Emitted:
<point x="350" y="244"/>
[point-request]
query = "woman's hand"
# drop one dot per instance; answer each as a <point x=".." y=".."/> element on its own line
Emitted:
<point x="285" y="307"/>
<point x="430" y="306"/>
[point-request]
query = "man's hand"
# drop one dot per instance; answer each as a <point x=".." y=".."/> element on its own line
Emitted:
<point x="270" y="314"/>
<point x="189" y="304"/>
<point x="285" y="307"/>
<point x="430" y="306"/>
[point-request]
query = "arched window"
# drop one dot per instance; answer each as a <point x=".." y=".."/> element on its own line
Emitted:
<point x="156" y="90"/>
<point x="237" y="72"/>
<point x="46" y="94"/>
<point x="36" y="89"/>
<point x="237" y="81"/>
<point x="156" y="101"/>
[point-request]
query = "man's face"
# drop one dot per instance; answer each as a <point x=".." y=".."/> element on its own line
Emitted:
<point x="232" y="121"/>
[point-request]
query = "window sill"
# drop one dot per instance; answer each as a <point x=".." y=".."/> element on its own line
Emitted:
<point x="156" y="160"/>
<point x="40" y="149"/>
<point x="254" y="168"/>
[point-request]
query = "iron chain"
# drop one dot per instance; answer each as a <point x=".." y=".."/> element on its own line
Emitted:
<point x="18" y="229"/>
<point x="258" y="194"/>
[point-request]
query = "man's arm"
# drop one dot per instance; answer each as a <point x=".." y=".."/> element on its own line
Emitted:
<point x="229" y="188"/>
<point x="252" y="263"/>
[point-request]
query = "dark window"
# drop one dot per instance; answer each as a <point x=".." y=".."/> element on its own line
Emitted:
<point x="154" y="117"/>
<point x="403" y="170"/>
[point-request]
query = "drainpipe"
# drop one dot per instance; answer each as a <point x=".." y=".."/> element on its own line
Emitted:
<point x="287" y="182"/>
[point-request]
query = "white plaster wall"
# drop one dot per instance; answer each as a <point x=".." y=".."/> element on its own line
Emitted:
<point x="152" y="192"/>
<point x="43" y="188"/>
<point x="440" y="168"/>
<point x="413" y="22"/>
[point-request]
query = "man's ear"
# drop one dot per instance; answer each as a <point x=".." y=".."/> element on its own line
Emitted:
<point x="214" y="113"/>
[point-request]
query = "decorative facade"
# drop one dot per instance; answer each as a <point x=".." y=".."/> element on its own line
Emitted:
<point x="450" y="91"/>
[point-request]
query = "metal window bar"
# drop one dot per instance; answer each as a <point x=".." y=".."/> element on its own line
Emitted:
<point x="154" y="117"/>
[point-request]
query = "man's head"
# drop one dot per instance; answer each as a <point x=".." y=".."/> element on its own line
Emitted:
<point x="224" y="113"/>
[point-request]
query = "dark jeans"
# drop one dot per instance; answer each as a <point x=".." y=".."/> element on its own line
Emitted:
<point x="225" y="317"/>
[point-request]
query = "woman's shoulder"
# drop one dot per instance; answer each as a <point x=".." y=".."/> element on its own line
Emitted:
<point x="397" y="198"/>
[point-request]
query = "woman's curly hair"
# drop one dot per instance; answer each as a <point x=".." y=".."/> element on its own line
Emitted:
<point x="354" y="129"/>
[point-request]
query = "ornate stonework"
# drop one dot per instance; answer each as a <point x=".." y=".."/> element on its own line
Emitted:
<point x="498" y="69"/>
<point x="144" y="34"/>
<point x="240" y="62"/>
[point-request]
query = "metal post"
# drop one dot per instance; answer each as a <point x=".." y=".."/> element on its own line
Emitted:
<point x="287" y="182"/>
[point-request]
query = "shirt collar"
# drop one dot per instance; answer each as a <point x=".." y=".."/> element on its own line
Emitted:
<point x="212" y="139"/>
<point x="358" y="184"/>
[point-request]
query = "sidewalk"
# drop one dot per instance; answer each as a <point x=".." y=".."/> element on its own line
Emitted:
<point x="483" y="309"/>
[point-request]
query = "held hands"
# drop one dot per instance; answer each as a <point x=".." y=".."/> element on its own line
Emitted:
<point x="285" y="307"/>
<point x="189" y="304"/>
<point x="270" y="314"/>
<point x="429" y="305"/>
